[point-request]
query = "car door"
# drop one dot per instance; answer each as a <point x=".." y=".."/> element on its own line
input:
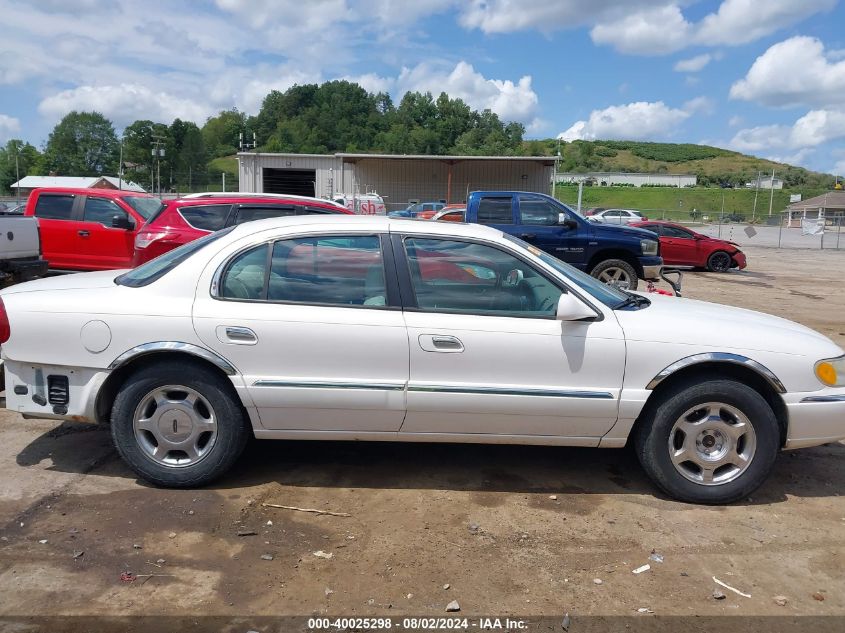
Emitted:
<point x="101" y="246"/>
<point x="488" y="357"/>
<point x="540" y="225"/>
<point x="56" y="213"/>
<point x="315" y="327"/>
<point x="678" y="247"/>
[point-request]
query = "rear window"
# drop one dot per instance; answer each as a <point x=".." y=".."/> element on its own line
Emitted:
<point x="495" y="211"/>
<point x="157" y="268"/>
<point x="250" y="214"/>
<point x="52" y="206"/>
<point x="144" y="206"/>
<point x="210" y="217"/>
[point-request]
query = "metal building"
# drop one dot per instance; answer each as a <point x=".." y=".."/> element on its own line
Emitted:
<point x="399" y="179"/>
<point x="609" y="178"/>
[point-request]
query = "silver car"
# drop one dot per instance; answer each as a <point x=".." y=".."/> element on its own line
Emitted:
<point x="618" y="216"/>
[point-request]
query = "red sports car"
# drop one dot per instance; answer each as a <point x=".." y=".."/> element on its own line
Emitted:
<point x="680" y="246"/>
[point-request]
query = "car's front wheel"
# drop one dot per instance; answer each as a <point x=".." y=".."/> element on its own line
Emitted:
<point x="617" y="272"/>
<point x="719" y="262"/>
<point x="712" y="442"/>
<point x="178" y="425"/>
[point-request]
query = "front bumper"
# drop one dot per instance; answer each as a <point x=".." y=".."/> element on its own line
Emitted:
<point x="815" y="417"/>
<point x="739" y="260"/>
<point x="651" y="267"/>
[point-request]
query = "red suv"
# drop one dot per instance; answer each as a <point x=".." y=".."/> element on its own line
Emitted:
<point x="89" y="229"/>
<point x="185" y="219"/>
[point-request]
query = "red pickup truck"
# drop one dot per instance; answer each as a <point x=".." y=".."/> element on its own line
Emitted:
<point x="89" y="229"/>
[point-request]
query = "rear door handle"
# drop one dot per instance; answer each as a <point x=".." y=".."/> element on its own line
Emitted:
<point x="442" y="343"/>
<point x="83" y="233"/>
<point x="236" y="334"/>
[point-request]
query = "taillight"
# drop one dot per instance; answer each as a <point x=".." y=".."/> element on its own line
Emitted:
<point x="5" y="330"/>
<point x="145" y="238"/>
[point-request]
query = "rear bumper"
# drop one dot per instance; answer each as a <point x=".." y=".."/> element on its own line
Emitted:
<point x="25" y="269"/>
<point x="815" y="418"/>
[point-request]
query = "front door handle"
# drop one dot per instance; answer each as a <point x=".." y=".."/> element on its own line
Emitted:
<point x="527" y="236"/>
<point x="442" y="343"/>
<point x="83" y="233"/>
<point x="236" y="334"/>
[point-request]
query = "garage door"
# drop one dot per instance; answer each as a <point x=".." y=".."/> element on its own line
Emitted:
<point x="299" y="182"/>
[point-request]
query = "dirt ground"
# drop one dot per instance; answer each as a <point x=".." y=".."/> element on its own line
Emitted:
<point x="509" y="530"/>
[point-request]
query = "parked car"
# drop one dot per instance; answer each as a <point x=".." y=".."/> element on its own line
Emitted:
<point x="418" y="209"/>
<point x="613" y="254"/>
<point x="451" y="215"/>
<point x="13" y="209"/>
<point x="20" y="249"/>
<point x="414" y="331"/>
<point x="681" y="246"/>
<point x="617" y="216"/>
<point x="362" y="203"/>
<point x="186" y="219"/>
<point x="89" y="229"/>
<point x="430" y="214"/>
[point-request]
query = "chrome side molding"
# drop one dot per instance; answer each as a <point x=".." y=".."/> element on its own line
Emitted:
<point x="718" y="357"/>
<point x="832" y="398"/>
<point x="173" y="346"/>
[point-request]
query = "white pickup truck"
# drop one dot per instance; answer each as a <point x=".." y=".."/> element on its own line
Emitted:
<point x="20" y="249"/>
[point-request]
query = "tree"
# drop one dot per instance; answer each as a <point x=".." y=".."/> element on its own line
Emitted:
<point x="221" y="133"/>
<point x="81" y="144"/>
<point x="27" y="158"/>
<point x="139" y="139"/>
<point x="192" y="156"/>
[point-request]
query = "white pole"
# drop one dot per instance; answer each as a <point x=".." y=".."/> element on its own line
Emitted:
<point x="224" y="181"/>
<point x="580" y="194"/>
<point x="772" y="193"/>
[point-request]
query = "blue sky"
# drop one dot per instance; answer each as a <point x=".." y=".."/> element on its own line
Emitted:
<point x="762" y="77"/>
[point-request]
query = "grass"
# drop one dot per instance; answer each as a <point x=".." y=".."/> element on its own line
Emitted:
<point x="671" y="202"/>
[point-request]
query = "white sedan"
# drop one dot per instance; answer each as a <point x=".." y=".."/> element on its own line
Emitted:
<point x="617" y="216"/>
<point x="368" y="328"/>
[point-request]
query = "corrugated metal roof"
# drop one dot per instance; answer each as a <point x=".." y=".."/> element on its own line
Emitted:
<point x="343" y="155"/>
<point x="82" y="182"/>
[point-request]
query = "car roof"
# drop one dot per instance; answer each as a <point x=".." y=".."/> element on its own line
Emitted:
<point x="256" y="198"/>
<point x="89" y="191"/>
<point x="216" y="195"/>
<point x="376" y="223"/>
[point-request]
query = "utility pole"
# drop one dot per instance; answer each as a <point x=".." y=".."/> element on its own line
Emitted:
<point x="17" y="175"/>
<point x="158" y="154"/>
<point x="245" y="147"/>
<point x="120" y="168"/>
<point x="771" y="193"/>
<point x="756" y="191"/>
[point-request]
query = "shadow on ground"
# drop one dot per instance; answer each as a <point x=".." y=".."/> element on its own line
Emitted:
<point x="81" y="448"/>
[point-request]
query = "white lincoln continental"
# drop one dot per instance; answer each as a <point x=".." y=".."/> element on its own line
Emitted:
<point x="370" y="328"/>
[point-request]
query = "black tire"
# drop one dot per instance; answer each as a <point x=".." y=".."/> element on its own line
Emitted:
<point x="232" y="432"/>
<point x="651" y="441"/>
<point x="619" y="264"/>
<point x="719" y="262"/>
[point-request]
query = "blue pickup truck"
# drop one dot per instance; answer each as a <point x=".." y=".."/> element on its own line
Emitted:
<point x="618" y="254"/>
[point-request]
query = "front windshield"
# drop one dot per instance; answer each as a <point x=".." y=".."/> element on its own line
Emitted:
<point x="157" y="268"/>
<point x="144" y="205"/>
<point x="608" y="295"/>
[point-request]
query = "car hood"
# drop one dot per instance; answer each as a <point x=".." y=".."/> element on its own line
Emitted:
<point x="687" y="321"/>
<point x="620" y="230"/>
<point x="73" y="281"/>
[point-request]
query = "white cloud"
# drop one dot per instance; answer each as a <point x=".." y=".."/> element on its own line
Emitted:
<point x="793" y="72"/>
<point x="123" y="104"/>
<point x="693" y="64"/>
<point x="798" y="158"/>
<point x="513" y="101"/>
<point x="700" y="105"/>
<point x="655" y="31"/>
<point x="811" y="130"/>
<point x="839" y="169"/>
<point x="636" y="121"/>
<point x="372" y="82"/>
<point x="735" y="121"/>
<point x="742" y="21"/>
<point x="760" y="138"/>
<point x="9" y="126"/>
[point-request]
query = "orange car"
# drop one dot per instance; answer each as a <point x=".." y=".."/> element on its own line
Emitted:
<point x="452" y="213"/>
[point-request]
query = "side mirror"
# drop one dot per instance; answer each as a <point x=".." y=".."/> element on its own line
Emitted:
<point x="120" y="221"/>
<point x="564" y="220"/>
<point x="571" y="308"/>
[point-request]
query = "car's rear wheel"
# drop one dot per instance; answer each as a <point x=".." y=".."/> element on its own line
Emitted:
<point x="719" y="262"/>
<point x="713" y="442"/>
<point x="178" y="425"/>
<point x="617" y="272"/>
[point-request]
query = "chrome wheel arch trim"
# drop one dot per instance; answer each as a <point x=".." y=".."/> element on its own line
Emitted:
<point x="173" y="346"/>
<point x="719" y="357"/>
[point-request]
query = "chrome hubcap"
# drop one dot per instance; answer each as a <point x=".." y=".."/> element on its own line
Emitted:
<point x="712" y="443"/>
<point x="175" y="426"/>
<point x="616" y="276"/>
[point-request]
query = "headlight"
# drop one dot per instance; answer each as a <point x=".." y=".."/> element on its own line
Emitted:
<point x="831" y="371"/>
<point x="649" y="247"/>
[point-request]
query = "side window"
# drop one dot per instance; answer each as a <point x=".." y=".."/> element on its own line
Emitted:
<point x="536" y="211"/>
<point x="671" y="231"/>
<point x="101" y="211"/>
<point x="245" y="275"/>
<point x="469" y="278"/>
<point x="654" y="228"/>
<point x="613" y="213"/>
<point x="210" y="217"/>
<point x="248" y="214"/>
<point x="495" y="211"/>
<point x="54" y="206"/>
<point x="336" y="270"/>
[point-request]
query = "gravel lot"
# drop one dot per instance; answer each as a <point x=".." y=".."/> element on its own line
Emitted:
<point x="510" y="530"/>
